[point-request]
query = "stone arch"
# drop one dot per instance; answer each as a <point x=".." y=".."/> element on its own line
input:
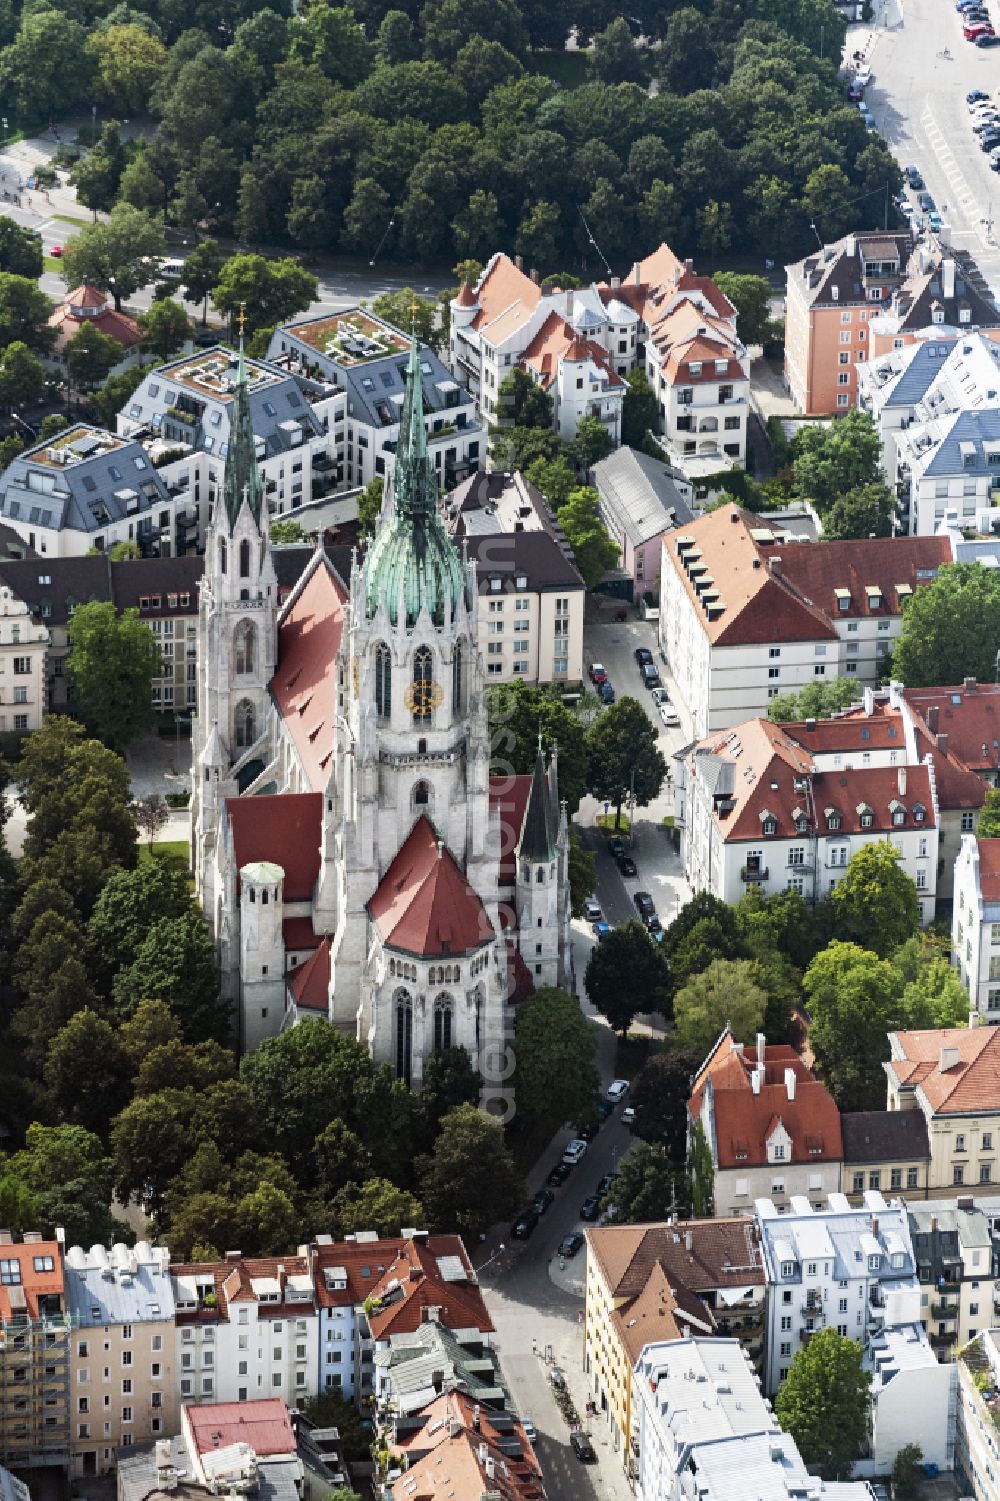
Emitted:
<point x="422" y="796"/>
<point x="245" y="647"/>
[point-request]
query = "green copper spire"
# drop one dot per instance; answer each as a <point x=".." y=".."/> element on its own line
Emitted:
<point x="412" y="558"/>
<point x="241" y="479"/>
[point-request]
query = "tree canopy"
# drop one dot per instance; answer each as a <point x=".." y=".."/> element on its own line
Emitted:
<point x="113" y="659"/>
<point x="627" y="972"/>
<point x="823" y="1403"/>
<point x="557" y="1078"/>
<point x="950" y="628"/>
<point x="623" y="756"/>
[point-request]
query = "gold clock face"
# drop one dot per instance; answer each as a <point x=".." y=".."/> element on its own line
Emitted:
<point x="356" y="675"/>
<point x="422" y="698"/>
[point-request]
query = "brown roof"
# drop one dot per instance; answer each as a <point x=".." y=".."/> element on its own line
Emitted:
<point x="468" y="1466"/>
<point x="264" y="1424"/>
<point x="310" y="982"/>
<point x="989" y="869"/>
<point x="232" y="1279"/>
<point x="285" y="828"/>
<point x="414" y="1281"/>
<point x="509" y="796"/>
<point x="884" y="1136"/>
<point x="466" y="296"/>
<point x="884" y="564"/>
<point x="722" y="1253"/>
<point x="112" y="324"/>
<point x="506" y="297"/>
<point x="458" y="1407"/>
<point x="424" y="903"/>
<point x="304" y="683"/>
<point x="969" y="714"/>
<point x="968" y="1084"/>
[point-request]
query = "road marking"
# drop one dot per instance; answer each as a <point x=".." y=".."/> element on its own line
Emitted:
<point x="959" y="188"/>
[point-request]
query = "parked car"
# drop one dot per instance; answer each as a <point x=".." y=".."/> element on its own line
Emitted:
<point x="570" y="1244"/>
<point x="988" y="39"/>
<point x="654" y="927"/>
<point x="934" y="218"/>
<point x="607" y="693"/>
<point x="597" y="674"/>
<point x="582" y="1448"/>
<point x="525" y="1223"/>
<point x="628" y="1116"/>
<point x="995" y="161"/>
<point x="855" y="93"/>
<point x="590" y="1208"/>
<point x="905" y="206"/>
<point x="588" y="1131"/>
<point x="543" y="1200"/>
<point x="574" y="1151"/>
<point x="604" y="1186"/>
<point x="644" y="903"/>
<point x="559" y="1174"/>
<point x="977" y="30"/>
<point x="605" y="1110"/>
<point x="650" y="676"/>
<point x="669" y="715"/>
<point x="617" y="1089"/>
<point x="529" y="1430"/>
<point x="600" y="930"/>
<point x="660" y="695"/>
<point x="863" y="76"/>
<point x="913" y="177"/>
<point x="642" y="655"/>
<point x="616" y="846"/>
<point x="627" y="866"/>
<point x="56" y="251"/>
<point x="592" y="911"/>
<point x="972" y="97"/>
<point x="926" y="201"/>
<point x="557" y="1378"/>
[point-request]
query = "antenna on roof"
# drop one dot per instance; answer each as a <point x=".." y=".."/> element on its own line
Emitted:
<point x="812" y="226"/>
<point x="378" y="248"/>
<point x="600" y="252"/>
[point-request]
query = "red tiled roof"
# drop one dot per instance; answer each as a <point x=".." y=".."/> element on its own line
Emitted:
<point x="413" y="1281"/>
<point x="114" y="325"/>
<point x="34" y="1284"/>
<point x="468" y="1465"/>
<point x="232" y="1282"/>
<point x="310" y="982"/>
<point x="466" y="296"/>
<point x="284" y="827"/>
<point x="263" y="1424"/>
<point x="853" y="731"/>
<point x="969" y="714"/>
<point x="557" y="341"/>
<point x="818" y="569"/>
<point x="459" y="1407"/>
<point x="969" y="1085"/>
<point x="424" y="903"/>
<point x="304" y="682"/>
<point x="510" y="795"/>
<point x="506" y="298"/>
<point x="989" y="869"/>
<point x="520" y="981"/>
<point x="297" y="933"/>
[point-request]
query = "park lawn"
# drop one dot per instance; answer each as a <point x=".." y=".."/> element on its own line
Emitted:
<point x="568" y="69"/>
<point x="71" y="219"/>
<point x="52" y="264"/>
<point x="175" y="852"/>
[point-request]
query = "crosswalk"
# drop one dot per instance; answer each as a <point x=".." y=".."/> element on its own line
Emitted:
<point x="961" y="194"/>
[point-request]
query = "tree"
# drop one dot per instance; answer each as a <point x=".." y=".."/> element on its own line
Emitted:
<point x="702" y="1172"/>
<point x="202" y="269"/>
<point x="623" y="757"/>
<point x="594" y="551"/>
<point x="140" y="186"/>
<point x="876" y="903"/>
<point x="272" y="290"/>
<point x="523" y="403"/>
<point x="284" y="533"/>
<point x="370" y="506"/>
<point x="113" y="659"/>
<point x="538" y="234"/>
<point x="659" y="1097"/>
<point x="114" y="394"/>
<point x="24" y="313"/>
<point x="517" y="712"/>
<point x="179" y="1065"/>
<point x="449" y="24"/>
<point x="90" y="356"/>
<point x="614" y="56"/>
<point x="152" y="1024"/>
<point x="751" y="297"/>
<point x="592" y="442"/>
<point x="817" y="700"/>
<point x="332" y="1410"/>
<point x="22" y="375"/>
<point x="46" y="70"/>
<point x="639" y="410"/>
<point x="907" y="1473"/>
<point x="98" y="174"/>
<point x="68" y="1175"/>
<point x="330" y="37"/>
<point x="20" y="250"/>
<point x="988" y="825"/>
<point x="176" y="964"/>
<point x="86" y="1072"/>
<point x="127" y="62"/>
<point x="830" y="461"/>
<point x="555" y="479"/>
<point x="450" y="1079"/>
<point x="726" y="992"/>
<point x="151" y="1141"/>
<point x="395" y="42"/>
<point x="406" y="311"/>
<point x="950" y="628"/>
<point x="478" y="225"/>
<point x="582" y="875"/>
<point x="854" y="1000"/>
<point x="866" y="511"/>
<point x="627" y="972"/>
<point x="376" y="1205"/>
<point x="131" y="902"/>
<point x="165" y="328"/>
<point x="649" y="1186"/>
<point x="470" y="1180"/>
<point x="51" y="975"/>
<point x="823" y="1403"/>
<point x="557" y="1078"/>
<point x="339" y="1158"/>
<point x="117" y="255"/>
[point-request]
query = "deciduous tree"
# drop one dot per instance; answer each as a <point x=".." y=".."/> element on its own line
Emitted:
<point x="470" y="1180"/>
<point x="555" y="1047"/>
<point x="376" y="1205"/>
<point x="165" y="328"/>
<point x="830" y="461"/>
<point x="726" y="992"/>
<point x="823" y="1403"/>
<point x="594" y="551"/>
<point x="627" y="972"/>
<point x="639" y="411"/>
<point x="202" y="269"/>
<point x="855" y="1000"/>
<point x="659" y="1097"/>
<point x="118" y="255"/>
<point x="68" y="1175"/>
<point x="86" y="1072"/>
<point x="22" y="375"/>
<point x="20" y="250"/>
<point x="24" y="313"/>
<point x="876" y="903"/>
<point x="271" y="290"/>
<point x="623" y="757"/>
<point x="176" y="964"/>
<point x="650" y="1186"/>
<point x="950" y="628"/>
<point x="113" y="659"/>
<point x="518" y="712"/>
<point x="90" y="356"/>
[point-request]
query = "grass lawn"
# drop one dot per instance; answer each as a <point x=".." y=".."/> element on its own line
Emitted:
<point x="70" y="219"/>
<point x="51" y="263"/>
<point x="174" y="852"/>
<point x="606" y="822"/>
<point x="568" y="69"/>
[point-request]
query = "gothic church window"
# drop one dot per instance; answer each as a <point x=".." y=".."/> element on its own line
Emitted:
<point x="457" y="674"/>
<point x="222" y="555"/>
<point x="422" y="683"/>
<point x="244" y="559"/>
<point x="246" y="646"/>
<point x="443" y="1013"/>
<point x="421" y="795"/>
<point x="383" y="681"/>
<point x="404" y="1035"/>
<point x="245" y="723"/>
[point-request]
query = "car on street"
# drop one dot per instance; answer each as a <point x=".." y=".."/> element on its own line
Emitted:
<point x="627" y="866"/>
<point x="995" y="160"/>
<point x="905" y="206"/>
<point x="590" y="1208"/>
<point x="605" y="1184"/>
<point x="668" y="713"/>
<point x="607" y="693"/>
<point x="592" y="911"/>
<point x="660" y="695"/>
<point x="654" y="927"/>
<point x="582" y="1448"/>
<point x="977" y="30"/>
<point x="570" y="1244"/>
<point x="926" y="201"/>
<point x="543" y="1200"/>
<point x="644" y="903"/>
<point x="525" y="1223"/>
<point x="557" y="1378"/>
<point x="574" y="1151"/>
<point x="988" y="39"/>
<point x="597" y="673"/>
<point x="559" y="1174"/>
<point x="934" y="218"/>
<point x="864" y="111"/>
<point x="914" y="178"/>
<point x="616" y="846"/>
<point x="628" y="1116"/>
<point x="863" y="75"/>
<point x="529" y="1430"/>
<point x="617" y="1089"/>
<point x="985" y="123"/>
<point x="600" y="930"/>
<point x="650" y="676"/>
<point x="57" y="251"/>
<point x="589" y="1130"/>
<point x="972" y="97"/>
<point x="605" y="1110"/>
<point x="642" y="655"/>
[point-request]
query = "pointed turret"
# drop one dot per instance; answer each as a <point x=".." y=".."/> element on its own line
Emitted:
<point x="539" y="834"/>
<point x="241" y="480"/>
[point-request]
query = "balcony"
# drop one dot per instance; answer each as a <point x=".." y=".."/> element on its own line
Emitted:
<point x="944" y="1312"/>
<point x="754" y="873"/>
<point x="805" y="1335"/>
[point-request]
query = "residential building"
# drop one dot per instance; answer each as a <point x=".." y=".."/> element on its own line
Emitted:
<point x="977" y="1441"/>
<point x="853" y="1270"/>
<point x="772" y="1128"/>
<point x="354" y="351"/>
<point x="262" y="1426"/>
<point x="456" y="1444"/>
<point x="321" y="1452"/>
<point x="757" y="805"/>
<point x="886" y="1151"/>
<point x="747" y="614"/>
<point x="950" y="1076"/>
<point x="689" y="1279"/>
<point x="246" y="1328"/>
<point x="87" y="307"/>
<point x="24" y="646"/>
<point x="531" y="595"/>
<point x="243" y="1453"/>
<point x="975" y="923"/>
<point x="35" y="1330"/>
<point x="862" y="296"/>
<point x="123" y="1384"/>
<point x="956" y="1264"/>
<point x="704" y="1432"/>
<point x="416" y="1367"/>
<point x="641" y="499"/>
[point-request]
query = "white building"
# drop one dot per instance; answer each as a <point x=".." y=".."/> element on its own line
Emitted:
<point x="853" y="1270"/>
<point x="977" y="1445"/>
<point x="975" y="923"/>
<point x="24" y="644"/>
<point x="705" y="1433"/>
<point x="748" y="612"/>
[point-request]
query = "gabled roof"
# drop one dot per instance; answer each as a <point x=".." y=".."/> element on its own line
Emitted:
<point x="304" y="682"/>
<point x="956" y="1070"/>
<point x="506" y="299"/>
<point x="424" y="905"/>
<point x="284" y="828"/>
<point x="641" y="495"/>
<point x="263" y="1424"/>
<point x="700" y="1255"/>
<point x="509" y="795"/>
<point x="425" y="1275"/>
<point x="310" y="982"/>
<point x="470" y="1465"/>
<point x="884" y="1136"/>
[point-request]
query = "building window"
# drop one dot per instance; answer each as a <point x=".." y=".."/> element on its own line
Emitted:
<point x="912" y="1175"/>
<point x="245" y="646"/>
<point x="858" y="1181"/>
<point x="443" y="1013"/>
<point x="958" y="1175"/>
<point x="245" y="721"/>
<point x="245" y="559"/>
<point x="457" y="679"/>
<point x="422" y="685"/>
<point x="383" y="680"/>
<point x="404" y="1035"/>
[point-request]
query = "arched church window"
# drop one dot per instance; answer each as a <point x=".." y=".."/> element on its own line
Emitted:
<point x="223" y="559"/>
<point x="539" y="876"/>
<point x="383" y="681"/>
<point x="421" y="795"/>
<point x="457" y="676"/>
<point x="422" y="685"/>
<point x="244" y="559"/>
<point x="246" y="646"/>
<point x="443" y="1014"/>
<point x="404" y="1035"/>
<point x="245" y="723"/>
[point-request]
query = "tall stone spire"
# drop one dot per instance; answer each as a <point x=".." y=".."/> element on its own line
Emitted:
<point x="538" y="834"/>
<point x="414" y="486"/>
<point x="241" y="480"/>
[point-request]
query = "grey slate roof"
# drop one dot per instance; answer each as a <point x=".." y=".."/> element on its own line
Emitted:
<point x="974" y="428"/>
<point x="130" y="1288"/>
<point x="884" y="1136"/>
<point x="414" y="1359"/>
<point x="920" y="371"/>
<point x="51" y="586"/>
<point x="540" y="829"/>
<point x="538" y="556"/>
<point x="640" y="493"/>
<point x="103" y="480"/>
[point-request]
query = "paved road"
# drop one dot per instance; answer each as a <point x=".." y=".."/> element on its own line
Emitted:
<point x="918" y="100"/>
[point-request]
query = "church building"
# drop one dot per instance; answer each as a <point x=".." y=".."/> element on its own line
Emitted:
<point x="353" y="854"/>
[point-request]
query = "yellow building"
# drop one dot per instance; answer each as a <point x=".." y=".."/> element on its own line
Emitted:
<point x="952" y="1076"/>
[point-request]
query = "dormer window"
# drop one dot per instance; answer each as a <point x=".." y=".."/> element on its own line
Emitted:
<point x="865" y="816"/>
<point x="694" y="367"/>
<point x="919" y="812"/>
<point x="769" y="825"/>
<point x="788" y="1268"/>
<point x="833" y="819"/>
<point x="874" y="1263"/>
<point x="802" y="825"/>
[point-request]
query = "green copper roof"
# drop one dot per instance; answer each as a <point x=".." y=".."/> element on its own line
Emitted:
<point x="540" y="832"/>
<point x="412" y="557"/>
<point x="241" y="478"/>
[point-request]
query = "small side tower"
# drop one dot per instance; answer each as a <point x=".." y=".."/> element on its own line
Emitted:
<point x="464" y="310"/>
<point x="262" y="953"/>
<point x="538" y="884"/>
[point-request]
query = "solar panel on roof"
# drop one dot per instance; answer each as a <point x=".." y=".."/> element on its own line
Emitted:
<point x="452" y="1268"/>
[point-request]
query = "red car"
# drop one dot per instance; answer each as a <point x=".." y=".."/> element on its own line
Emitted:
<point x="972" y="33"/>
<point x="56" y="251"/>
<point x="597" y="674"/>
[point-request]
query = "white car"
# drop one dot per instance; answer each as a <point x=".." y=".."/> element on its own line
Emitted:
<point x="574" y="1151"/>
<point x="530" y="1432"/>
<point x="863" y="76"/>
<point x="669" y="715"/>
<point x="628" y="1115"/>
<point x="616" y="1089"/>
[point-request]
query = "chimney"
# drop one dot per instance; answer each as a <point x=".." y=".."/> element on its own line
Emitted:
<point x="689" y="1240"/>
<point x="519" y="262"/>
<point x="475" y="1417"/>
<point x="974" y="1019"/>
<point x="810" y="724"/>
<point x="933" y="1224"/>
<point x="616" y="282"/>
<point x="756" y="1079"/>
<point x="636" y="275"/>
<point x="901" y="781"/>
<point x="775" y="566"/>
<point x="761" y="1047"/>
<point x="234" y="1256"/>
<point x="790" y="1083"/>
<point x="933" y="717"/>
<point x="969" y="684"/>
<point x="534" y="275"/>
<point x="948" y="277"/>
<point x="689" y="265"/>
<point x="941" y="742"/>
<point x="569" y="305"/>
<point x="874" y="1224"/>
<point x="852" y="246"/>
<point x="948" y="1058"/>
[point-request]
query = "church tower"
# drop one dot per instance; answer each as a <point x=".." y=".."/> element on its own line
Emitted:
<point x="236" y="636"/>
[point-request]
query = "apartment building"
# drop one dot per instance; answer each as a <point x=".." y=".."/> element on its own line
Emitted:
<point x="123" y="1386"/>
<point x="772" y="1128"/>
<point x="355" y="352"/>
<point x="955" y="1262"/>
<point x="977" y="1438"/>
<point x="705" y="1433"/>
<point x="480" y="1449"/>
<point x="748" y="613"/>
<point x="246" y="1329"/>
<point x="886" y="1151"/>
<point x="975" y="923"/>
<point x="761" y="804"/>
<point x="862" y="296"/>
<point x="950" y="1076"/>
<point x="531" y="593"/>
<point x="24" y="646"/>
<point x="235" y="1449"/>
<point x="690" y="1279"/>
<point x="854" y="1270"/>
<point x="35" y="1331"/>
<point x="640" y="500"/>
<point x="412" y="1368"/>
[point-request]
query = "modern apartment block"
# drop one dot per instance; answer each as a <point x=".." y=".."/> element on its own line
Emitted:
<point x="975" y="923"/>
<point x="956" y="1263"/>
<point x="123" y="1382"/>
<point x="35" y="1332"/>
